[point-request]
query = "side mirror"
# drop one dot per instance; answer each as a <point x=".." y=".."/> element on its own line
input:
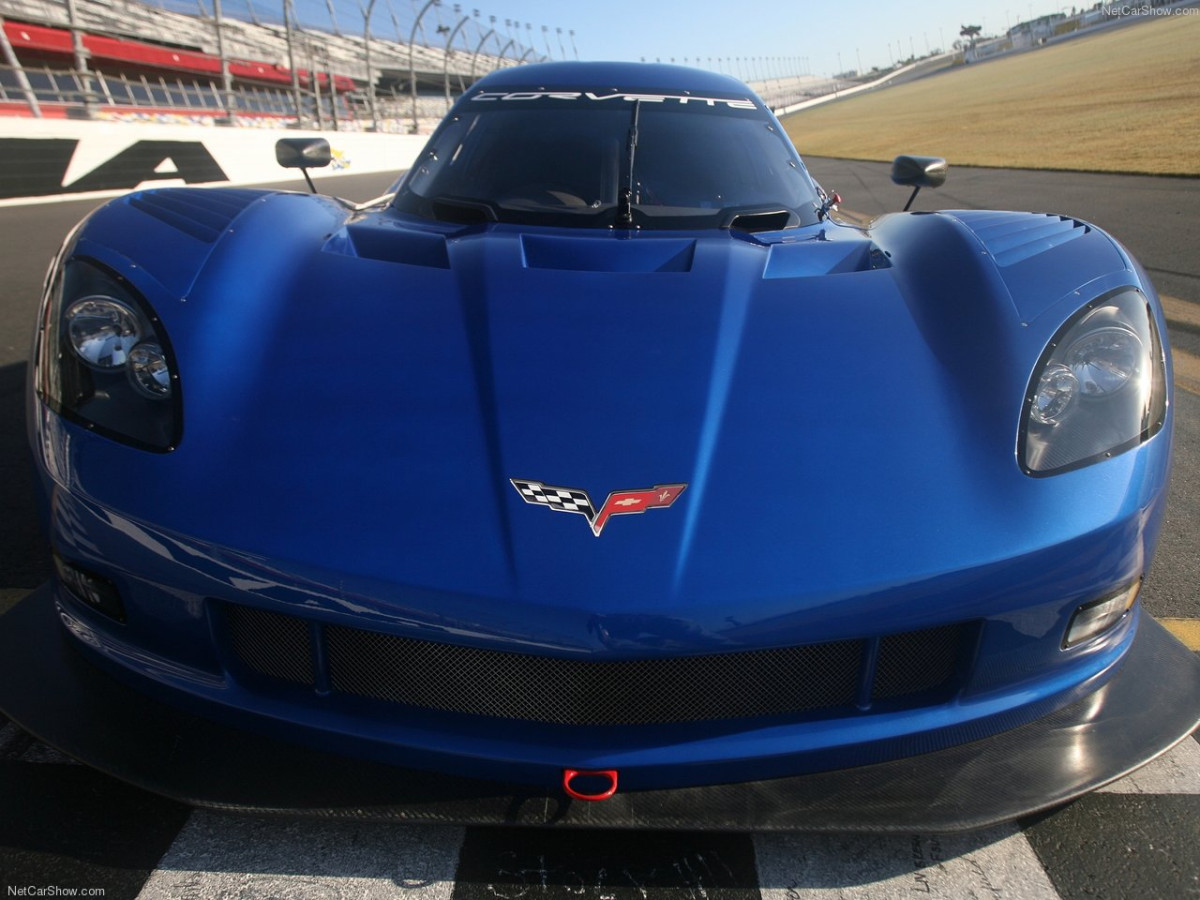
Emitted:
<point x="918" y="172"/>
<point x="303" y="154"/>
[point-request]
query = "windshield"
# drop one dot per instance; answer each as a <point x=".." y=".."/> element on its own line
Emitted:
<point x="564" y="158"/>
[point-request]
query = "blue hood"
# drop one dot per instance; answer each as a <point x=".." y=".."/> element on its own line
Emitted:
<point x="841" y="405"/>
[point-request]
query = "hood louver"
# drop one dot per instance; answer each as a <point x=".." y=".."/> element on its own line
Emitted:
<point x="1012" y="237"/>
<point x="202" y="213"/>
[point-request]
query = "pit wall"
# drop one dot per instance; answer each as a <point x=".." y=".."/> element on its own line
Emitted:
<point x="44" y="160"/>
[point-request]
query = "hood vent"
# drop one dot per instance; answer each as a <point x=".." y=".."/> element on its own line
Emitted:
<point x="1012" y="237"/>
<point x="385" y="241"/>
<point x="204" y="213"/>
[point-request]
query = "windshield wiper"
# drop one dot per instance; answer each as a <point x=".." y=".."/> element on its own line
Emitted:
<point x="625" y="200"/>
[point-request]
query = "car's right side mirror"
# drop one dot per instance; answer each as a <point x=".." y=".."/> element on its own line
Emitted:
<point x="918" y="172"/>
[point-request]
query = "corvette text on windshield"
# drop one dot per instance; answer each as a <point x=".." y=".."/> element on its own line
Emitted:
<point x="588" y="95"/>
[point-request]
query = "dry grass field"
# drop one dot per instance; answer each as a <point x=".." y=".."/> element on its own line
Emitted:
<point x="1124" y="100"/>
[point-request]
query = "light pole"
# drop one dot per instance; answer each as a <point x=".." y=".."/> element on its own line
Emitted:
<point x="10" y="58"/>
<point x="288" y="15"/>
<point x="504" y="49"/>
<point x="332" y="17"/>
<point x="516" y="36"/>
<point x="226" y="76"/>
<point x="81" y="56"/>
<point x="446" y="57"/>
<point x="412" y="65"/>
<point x="478" y="48"/>
<point x="314" y="83"/>
<point x="529" y="37"/>
<point x="367" y="46"/>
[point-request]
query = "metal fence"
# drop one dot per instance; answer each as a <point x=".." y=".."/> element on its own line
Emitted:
<point x="407" y="58"/>
<point x="383" y="65"/>
<point x="94" y="94"/>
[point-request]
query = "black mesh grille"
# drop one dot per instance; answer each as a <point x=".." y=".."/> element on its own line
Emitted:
<point x="271" y="644"/>
<point x="502" y="684"/>
<point x="587" y="692"/>
<point x="917" y="661"/>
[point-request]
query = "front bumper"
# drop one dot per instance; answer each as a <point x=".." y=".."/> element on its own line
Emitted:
<point x="48" y="688"/>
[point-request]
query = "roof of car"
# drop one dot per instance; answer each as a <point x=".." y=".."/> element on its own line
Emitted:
<point x="618" y="76"/>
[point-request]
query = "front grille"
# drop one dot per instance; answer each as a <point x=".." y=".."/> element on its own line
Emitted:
<point x="917" y="661"/>
<point x="271" y="644"/>
<point x="572" y="691"/>
<point x="587" y="692"/>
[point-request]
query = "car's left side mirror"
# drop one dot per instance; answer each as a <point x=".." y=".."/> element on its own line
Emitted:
<point x="303" y="154"/>
<point x="918" y="172"/>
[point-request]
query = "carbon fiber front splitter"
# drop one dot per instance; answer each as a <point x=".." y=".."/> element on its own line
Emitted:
<point x="49" y="689"/>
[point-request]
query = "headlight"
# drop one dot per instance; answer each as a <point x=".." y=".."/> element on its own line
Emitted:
<point x="149" y="371"/>
<point x="103" y="358"/>
<point x="102" y="331"/>
<point x="1099" y="388"/>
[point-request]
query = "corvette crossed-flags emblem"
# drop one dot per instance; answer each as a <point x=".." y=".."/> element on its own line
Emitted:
<point x="619" y="503"/>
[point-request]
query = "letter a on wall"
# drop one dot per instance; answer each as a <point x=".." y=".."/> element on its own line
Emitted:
<point x="145" y="161"/>
<point x="38" y="167"/>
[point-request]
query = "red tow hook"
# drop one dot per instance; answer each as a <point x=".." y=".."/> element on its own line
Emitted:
<point x="606" y="778"/>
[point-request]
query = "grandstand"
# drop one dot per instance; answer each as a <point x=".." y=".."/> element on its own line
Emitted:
<point x="300" y="63"/>
<point x="131" y="60"/>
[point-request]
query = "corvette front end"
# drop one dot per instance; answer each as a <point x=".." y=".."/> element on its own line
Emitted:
<point x="514" y="497"/>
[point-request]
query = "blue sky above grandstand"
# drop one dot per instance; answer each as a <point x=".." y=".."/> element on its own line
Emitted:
<point x="875" y="31"/>
<point x="750" y="40"/>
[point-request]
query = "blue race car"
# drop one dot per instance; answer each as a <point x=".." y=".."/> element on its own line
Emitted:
<point x="603" y="474"/>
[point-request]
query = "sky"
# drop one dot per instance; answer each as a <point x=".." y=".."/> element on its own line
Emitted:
<point x="779" y="34"/>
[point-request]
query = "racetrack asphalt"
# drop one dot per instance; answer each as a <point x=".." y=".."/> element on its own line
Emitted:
<point x="63" y="826"/>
